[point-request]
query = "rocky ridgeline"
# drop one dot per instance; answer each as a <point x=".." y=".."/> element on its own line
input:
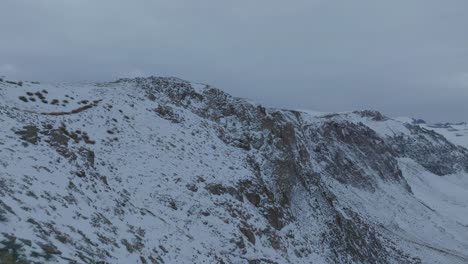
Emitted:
<point x="290" y="201"/>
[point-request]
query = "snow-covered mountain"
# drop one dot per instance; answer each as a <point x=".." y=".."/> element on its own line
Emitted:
<point x="160" y="170"/>
<point x="456" y="133"/>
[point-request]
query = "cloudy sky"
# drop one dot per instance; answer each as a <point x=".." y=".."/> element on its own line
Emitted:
<point x="403" y="57"/>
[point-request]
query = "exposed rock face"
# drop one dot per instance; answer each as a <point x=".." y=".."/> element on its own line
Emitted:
<point x="431" y="150"/>
<point x="355" y="154"/>
<point x="166" y="171"/>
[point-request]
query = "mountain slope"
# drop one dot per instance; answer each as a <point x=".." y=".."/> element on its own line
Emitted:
<point x="160" y="170"/>
<point x="456" y="133"/>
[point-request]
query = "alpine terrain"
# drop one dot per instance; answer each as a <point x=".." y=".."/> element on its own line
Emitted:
<point x="161" y="170"/>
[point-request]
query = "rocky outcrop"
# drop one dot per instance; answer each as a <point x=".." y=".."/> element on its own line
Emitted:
<point x="431" y="150"/>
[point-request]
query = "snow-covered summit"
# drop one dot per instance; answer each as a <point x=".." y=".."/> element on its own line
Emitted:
<point x="161" y="170"/>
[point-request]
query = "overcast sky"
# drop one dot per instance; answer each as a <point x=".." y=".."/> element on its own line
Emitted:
<point x="402" y="57"/>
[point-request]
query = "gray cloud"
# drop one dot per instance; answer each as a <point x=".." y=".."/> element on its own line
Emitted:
<point x="402" y="57"/>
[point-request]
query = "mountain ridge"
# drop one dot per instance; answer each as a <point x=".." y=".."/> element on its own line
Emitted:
<point x="161" y="170"/>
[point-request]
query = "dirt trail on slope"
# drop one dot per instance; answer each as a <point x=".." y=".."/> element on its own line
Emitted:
<point x="74" y="111"/>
